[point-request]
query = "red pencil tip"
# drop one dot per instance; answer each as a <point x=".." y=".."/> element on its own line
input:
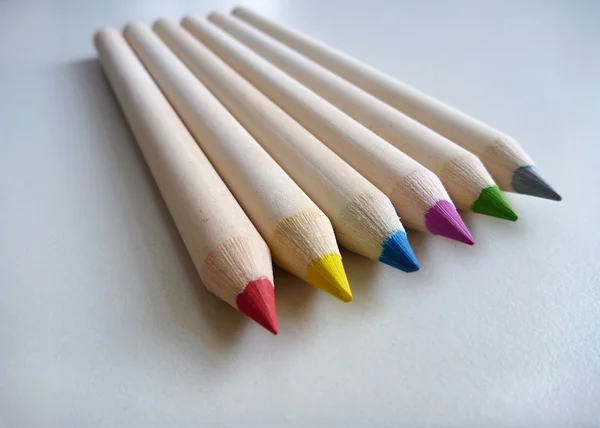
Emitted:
<point x="443" y="219"/>
<point x="258" y="302"/>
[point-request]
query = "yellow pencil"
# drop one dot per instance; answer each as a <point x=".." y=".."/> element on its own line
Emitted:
<point x="299" y="234"/>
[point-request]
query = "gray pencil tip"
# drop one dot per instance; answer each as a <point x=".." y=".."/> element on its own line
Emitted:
<point x="527" y="180"/>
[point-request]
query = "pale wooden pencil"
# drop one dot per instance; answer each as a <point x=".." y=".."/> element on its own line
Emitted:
<point x="504" y="158"/>
<point x="228" y="252"/>
<point x="416" y="193"/>
<point x="463" y="174"/>
<point x="300" y="236"/>
<point x="362" y="216"/>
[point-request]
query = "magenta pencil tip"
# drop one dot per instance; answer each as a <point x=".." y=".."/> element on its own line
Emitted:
<point x="443" y="219"/>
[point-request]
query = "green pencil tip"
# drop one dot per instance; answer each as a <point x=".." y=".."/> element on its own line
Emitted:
<point x="491" y="202"/>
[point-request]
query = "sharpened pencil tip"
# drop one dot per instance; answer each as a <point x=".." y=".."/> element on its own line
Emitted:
<point x="443" y="219"/>
<point x="398" y="253"/>
<point x="528" y="181"/>
<point x="328" y="274"/>
<point x="491" y="202"/>
<point x="258" y="302"/>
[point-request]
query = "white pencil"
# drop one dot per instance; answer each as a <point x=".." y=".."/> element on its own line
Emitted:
<point x="416" y="193"/>
<point x="300" y="236"/>
<point x="463" y="174"/>
<point x="504" y="158"/>
<point x="363" y="218"/>
<point x="229" y="254"/>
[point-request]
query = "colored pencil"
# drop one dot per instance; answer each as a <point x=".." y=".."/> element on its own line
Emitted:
<point x="464" y="176"/>
<point x="504" y="158"/>
<point x="229" y="254"/>
<point x="416" y="193"/>
<point x="298" y="233"/>
<point x="363" y="218"/>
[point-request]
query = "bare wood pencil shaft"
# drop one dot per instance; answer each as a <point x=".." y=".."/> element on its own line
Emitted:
<point x="337" y="188"/>
<point x="297" y="232"/>
<point x="499" y="152"/>
<point x="410" y="186"/>
<point x="225" y="247"/>
<point x="461" y="172"/>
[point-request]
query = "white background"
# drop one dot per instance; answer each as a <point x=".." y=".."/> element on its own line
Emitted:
<point x="104" y="323"/>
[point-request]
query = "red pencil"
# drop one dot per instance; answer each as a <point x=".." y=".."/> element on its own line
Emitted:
<point x="229" y="254"/>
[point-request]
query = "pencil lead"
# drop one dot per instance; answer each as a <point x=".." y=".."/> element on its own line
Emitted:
<point x="491" y="202"/>
<point x="443" y="219"/>
<point x="258" y="302"/>
<point x="527" y="180"/>
<point x="327" y="273"/>
<point x="398" y="253"/>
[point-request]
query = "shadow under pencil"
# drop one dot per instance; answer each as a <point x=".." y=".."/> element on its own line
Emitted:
<point x="419" y="241"/>
<point x="295" y="297"/>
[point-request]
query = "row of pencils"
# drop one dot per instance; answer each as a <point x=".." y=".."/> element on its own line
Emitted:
<point x="268" y="145"/>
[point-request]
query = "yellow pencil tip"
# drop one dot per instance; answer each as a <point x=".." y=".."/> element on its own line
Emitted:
<point x="327" y="273"/>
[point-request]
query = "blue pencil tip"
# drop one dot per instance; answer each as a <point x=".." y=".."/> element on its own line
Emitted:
<point x="398" y="253"/>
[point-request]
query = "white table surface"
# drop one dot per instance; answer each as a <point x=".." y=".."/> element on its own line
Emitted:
<point x="104" y="323"/>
